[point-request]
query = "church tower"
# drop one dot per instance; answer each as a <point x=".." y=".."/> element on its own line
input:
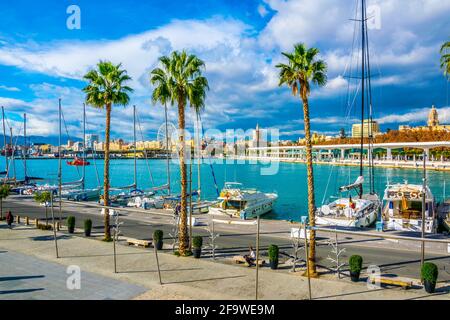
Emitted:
<point x="433" y="120"/>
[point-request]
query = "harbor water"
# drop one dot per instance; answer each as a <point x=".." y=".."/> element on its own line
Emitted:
<point x="288" y="180"/>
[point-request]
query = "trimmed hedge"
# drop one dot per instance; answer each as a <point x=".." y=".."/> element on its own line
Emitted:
<point x="197" y="242"/>
<point x="429" y="272"/>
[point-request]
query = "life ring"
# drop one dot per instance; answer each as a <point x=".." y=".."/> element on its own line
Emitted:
<point x="400" y="194"/>
<point x="414" y="195"/>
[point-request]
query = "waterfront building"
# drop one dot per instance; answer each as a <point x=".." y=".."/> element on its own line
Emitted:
<point x="69" y="144"/>
<point x="147" y="145"/>
<point x="258" y="138"/>
<point x="77" y="146"/>
<point x="315" y="138"/>
<point x="367" y="125"/>
<point x="433" y="123"/>
<point x="114" y="145"/>
<point x="91" y="139"/>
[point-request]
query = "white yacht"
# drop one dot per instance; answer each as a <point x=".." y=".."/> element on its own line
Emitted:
<point x="235" y="201"/>
<point x="359" y="212"/>
<point x="403" y="208"/>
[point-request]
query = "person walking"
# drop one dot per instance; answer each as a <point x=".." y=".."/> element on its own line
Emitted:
<point x="9" y="219"/>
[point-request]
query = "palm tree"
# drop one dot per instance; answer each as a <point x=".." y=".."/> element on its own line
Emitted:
<point x="106" y="87"/>
<point x="445" y="58"/>
<point x="179" y="80"/>
<point x="302" y="69"/>
<point x="4" y="193"/>
<point x="43" y="197"/>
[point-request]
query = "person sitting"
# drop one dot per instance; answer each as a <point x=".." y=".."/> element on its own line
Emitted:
<point x="250" y="258"/>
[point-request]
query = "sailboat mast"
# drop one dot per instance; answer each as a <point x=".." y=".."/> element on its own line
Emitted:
<point x="199" y="158"/>
<point x="84" y="146"/>
<point x="4" y="143"/>
<point x="25" y="147"/>
<point x="13" y="149"/>
<point x="59" y="162"/>
<point x="370" y="127"/>
<point x="167" y="150"/>
<point x="134" y="142"/>
<point x="363" y="70"/>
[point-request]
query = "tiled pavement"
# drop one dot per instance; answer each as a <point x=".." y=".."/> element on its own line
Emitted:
<point x="25" y="277"/>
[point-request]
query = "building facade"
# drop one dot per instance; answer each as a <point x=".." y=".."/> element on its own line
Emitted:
<point x="368" y="126"/>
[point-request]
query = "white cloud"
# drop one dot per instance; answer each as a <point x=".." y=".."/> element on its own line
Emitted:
<point x="415" y="116"/>
<point x="262" y="10"/>
<point x="15" y="89"/>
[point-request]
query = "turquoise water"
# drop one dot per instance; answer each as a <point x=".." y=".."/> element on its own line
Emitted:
<point x="289" y="181"/>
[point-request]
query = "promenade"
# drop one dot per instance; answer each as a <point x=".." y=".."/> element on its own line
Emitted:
<point x="137" y="277"/>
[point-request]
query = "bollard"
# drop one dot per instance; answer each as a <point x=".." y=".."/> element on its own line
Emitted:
<point x="36" y="222"/>
<point x="18" y="219"/>
<point x="27" y="221"/>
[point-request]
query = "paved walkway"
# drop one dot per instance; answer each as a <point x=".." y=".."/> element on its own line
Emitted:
<point x="26" y="277"/>
<point x="183" y="278"/>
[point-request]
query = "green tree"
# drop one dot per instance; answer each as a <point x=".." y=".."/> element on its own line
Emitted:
<point x="302" y="69"/>
<point x="4" y="193"/>
<point x="106" y="87"/>
<point x="445" y="58"/>
<point x="179" y="80"/>
<point x="43" y="197"/>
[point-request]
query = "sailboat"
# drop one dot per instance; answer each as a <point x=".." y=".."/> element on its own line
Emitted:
<point x="82" y="194"/>
<point x="361" y="210"/>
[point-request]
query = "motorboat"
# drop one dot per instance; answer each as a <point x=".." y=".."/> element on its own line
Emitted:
<point x="403" y="208"/>
<point x="235" y="201"/>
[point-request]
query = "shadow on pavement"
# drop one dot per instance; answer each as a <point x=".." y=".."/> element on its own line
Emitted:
<point x="209" y="279"/>
<point x="20" y="291"/>
<point x="14" y="278"/>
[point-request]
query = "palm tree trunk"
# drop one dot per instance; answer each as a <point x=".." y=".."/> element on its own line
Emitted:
<point x="311" y="200"/>
<point x="106" y="173"/>
<point x="183" y="232"/>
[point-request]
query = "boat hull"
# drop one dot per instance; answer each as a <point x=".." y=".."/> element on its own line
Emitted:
<point x="363" y="222"/>
<point x="248" y="213"/>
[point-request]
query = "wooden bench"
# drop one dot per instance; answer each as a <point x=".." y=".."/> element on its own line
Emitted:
<point x="240" y="260"/>
<point x="405" y="284"/>
<point x="138" y="243"/>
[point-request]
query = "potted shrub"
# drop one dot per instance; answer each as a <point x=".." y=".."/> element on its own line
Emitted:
<point x="429" y="276"/>
<point x="87" y="227"/>
<point x="355" y="264"/>
<point x="158" y="239"/>
<point x="197" y="243"/>
<point x="71" y="224"/>
<point x="273" y="256"/>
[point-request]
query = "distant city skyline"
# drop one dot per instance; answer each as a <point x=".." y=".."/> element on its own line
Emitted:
<point x="42" y="60"/>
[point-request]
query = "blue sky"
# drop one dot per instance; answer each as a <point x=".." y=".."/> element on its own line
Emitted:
<point x="240" y="41"/>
